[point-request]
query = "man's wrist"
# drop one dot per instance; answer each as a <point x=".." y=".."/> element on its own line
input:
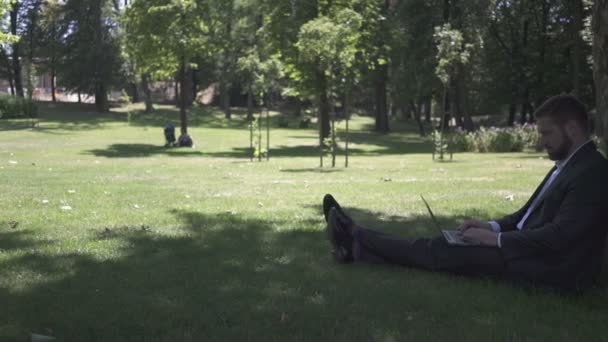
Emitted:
<point x="495" y="226"/>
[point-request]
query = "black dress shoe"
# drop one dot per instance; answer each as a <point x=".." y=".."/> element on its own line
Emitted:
<point x="330" y="202"/>
<point x="340" y="239"/>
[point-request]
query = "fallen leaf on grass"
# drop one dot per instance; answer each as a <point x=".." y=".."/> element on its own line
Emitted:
<point x="45" y="201"/>
<point x="39" y="337"/>
<point x="509" y="198"/>
<point x="71" y="191"/>
<point x="12" y="162"/>
<point x="66" y="208"/>
<point x="284" y="317"/>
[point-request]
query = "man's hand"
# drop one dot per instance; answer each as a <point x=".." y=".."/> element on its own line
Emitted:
<point x="483" y="236"/>
<point x="474" y="224"/>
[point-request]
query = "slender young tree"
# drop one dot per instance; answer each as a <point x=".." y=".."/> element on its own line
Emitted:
<point x="16" y="48"/>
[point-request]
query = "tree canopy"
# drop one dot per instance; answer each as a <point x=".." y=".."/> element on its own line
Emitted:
<point x="391" y="57"/>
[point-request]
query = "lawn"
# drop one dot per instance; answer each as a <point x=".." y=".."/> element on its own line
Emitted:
<point x="105" y="235"/>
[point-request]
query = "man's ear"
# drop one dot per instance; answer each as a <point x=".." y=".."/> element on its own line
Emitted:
<point x="573" y="129"/>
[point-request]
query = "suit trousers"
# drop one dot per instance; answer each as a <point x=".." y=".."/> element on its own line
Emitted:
<point x="433" y="254"/>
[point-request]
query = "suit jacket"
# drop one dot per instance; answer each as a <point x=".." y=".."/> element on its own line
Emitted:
<point x="561" y="243"/>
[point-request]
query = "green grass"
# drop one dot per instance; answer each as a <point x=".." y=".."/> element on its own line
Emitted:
<point x="202" y="245"/>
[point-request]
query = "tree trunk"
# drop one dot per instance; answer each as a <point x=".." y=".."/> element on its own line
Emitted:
<point x="79" y="97"/>
<point x="381" y="72"/>
<point x="101" y="88"/>
<point x="134" y="92"/>
<point x="145" y="84"/>
<point x="249" y="104"/>
<point x="176" y="91"/>
<point x="183" y="115"/>
<point x="101" y="98"/>
<point x="454" y="107"/>
<point x="525" y="107"/>
<point x="33" y="14"/>
<point x="382" y="124"/>
<point x="415" y="110"/>
<point x="53" y="90"/>
<point x="10" y="83"/>
<point x="323" y="107"/>
<point x="16" y="54"/>
<point x="188" y="88"/>
<point x="193" y="85"/>
<point x="512" y="112"/>
<point x="224" y="82"/>
<point x="428" y="109"/>
<point x="225" y="99"/>
<point x="462" y="105"/>
<point x="600" y="65"/>
<point x="577" y="42"/>
<point x="525" y="90"/>
<point x="542" y="48"/>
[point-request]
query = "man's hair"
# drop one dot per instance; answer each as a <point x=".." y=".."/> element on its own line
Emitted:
<point x="564" y="108"/>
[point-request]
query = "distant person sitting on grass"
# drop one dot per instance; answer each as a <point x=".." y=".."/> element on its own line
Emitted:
<point x="169" y="135"/>
<point x="185" y="140"/>
<point x="555" y="240"/>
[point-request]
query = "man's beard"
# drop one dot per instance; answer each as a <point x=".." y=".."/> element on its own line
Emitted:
<point x="561" y="152"/>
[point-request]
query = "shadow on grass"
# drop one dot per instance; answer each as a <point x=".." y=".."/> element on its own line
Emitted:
<point x="326" y="169"/>
<point x="225" y="277"/>
<point x="16" y="239"/>
<point x="524" y="155"/>
<point x="212" y="117"/>
<point x="62" y="118"/>
<point x="142" y="150"/>
<point x="376" y="145"/>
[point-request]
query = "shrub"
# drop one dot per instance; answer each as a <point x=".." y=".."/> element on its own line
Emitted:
<point x="12" y="107"/>
<point x="461" y="141"/>
<point x="511" y="139"/>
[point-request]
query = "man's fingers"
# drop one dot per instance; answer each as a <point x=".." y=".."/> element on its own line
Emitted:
<point x="467" y="224"/>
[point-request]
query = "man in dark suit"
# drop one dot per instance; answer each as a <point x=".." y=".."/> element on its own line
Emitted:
<point x="556" y="239"/>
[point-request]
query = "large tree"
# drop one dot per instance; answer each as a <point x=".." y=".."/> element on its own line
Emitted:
<point x="92" y="61"/>
<point x="600" y="59"/>
<point x="164" y="36"/>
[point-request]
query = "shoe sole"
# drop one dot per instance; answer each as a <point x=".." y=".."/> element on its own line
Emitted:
<point x="340" y="253"/>
<point x="330" y="202"/>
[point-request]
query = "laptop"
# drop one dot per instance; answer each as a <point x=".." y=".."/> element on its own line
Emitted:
<point x="453" y="237"/>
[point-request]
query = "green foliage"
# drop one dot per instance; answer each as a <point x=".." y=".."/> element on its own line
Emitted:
<point x="12" y="107"/>
<point x="512" y="139"/>
<point x="441" y="145"/>
<point x="160" y="33"/>
<point x="6" y="38"/>
<point x="331" y="42"/>
<point x="91" y="57"/>
<point x="260" y="75"/>
<point x="451" y="51"/>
